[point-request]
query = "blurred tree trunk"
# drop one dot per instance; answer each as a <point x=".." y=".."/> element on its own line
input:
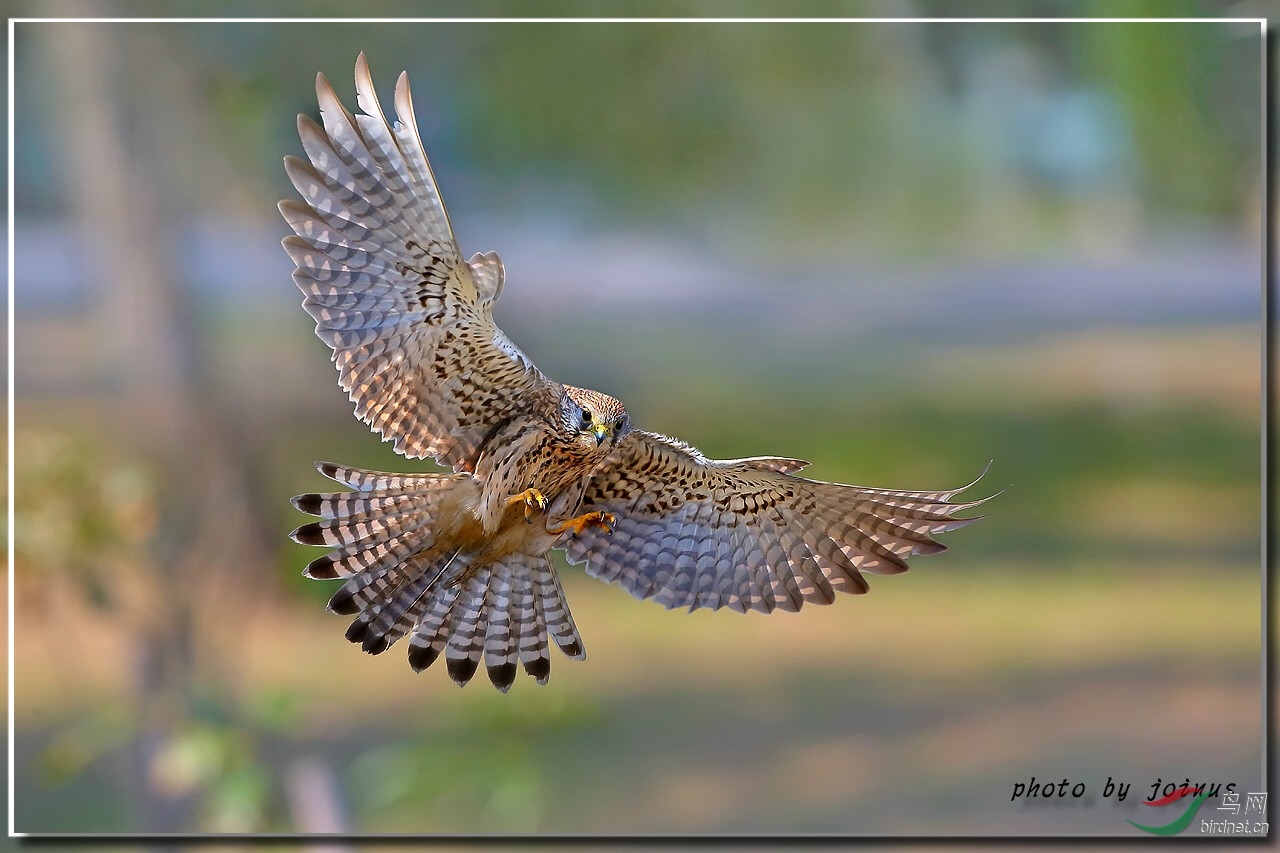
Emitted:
<point x="315" y="802"/>
<point x="151" y="357"/>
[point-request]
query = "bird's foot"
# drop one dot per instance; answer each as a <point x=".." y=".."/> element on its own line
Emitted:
<point x="604" y="520"/>
<point x="533" y="500"/>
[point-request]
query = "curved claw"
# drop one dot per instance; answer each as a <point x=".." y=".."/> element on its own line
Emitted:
<point x="534" y="502"/>
<point x="604" y="520"/>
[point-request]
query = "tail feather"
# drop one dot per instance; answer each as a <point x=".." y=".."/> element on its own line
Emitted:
<point x="465" y="646"/>
<point x="364" y="480"/>
<point x="503" y="615"/>
<point x="349" y="504"/>
<point x="530" y="629"/>
<point x="384" y="537"/>
<point x="555" y="610"/>
<point x="432" y="631"/>
<point x="401" y="579"/>
<point x="367" y="588"/>
<point x="345" y="562"/>
<point x="400" y="610"/>
<point x="362" y="529"/>
<point x="499" y="641"/>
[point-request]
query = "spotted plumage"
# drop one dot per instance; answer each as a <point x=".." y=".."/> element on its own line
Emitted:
<point x="457" y="562"/>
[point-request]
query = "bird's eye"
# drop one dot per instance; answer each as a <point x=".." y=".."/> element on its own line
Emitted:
<point x="586" y="418"/>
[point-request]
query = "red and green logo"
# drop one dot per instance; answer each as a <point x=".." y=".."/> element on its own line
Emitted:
<point x="1181" y="822"/>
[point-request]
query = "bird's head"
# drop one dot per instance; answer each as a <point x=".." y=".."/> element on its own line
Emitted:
<point x="592" y="418"/>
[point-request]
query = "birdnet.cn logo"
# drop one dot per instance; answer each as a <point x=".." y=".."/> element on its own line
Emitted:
<point x="1173" y="813"/>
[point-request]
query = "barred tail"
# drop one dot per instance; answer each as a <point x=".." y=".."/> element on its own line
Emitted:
<point x="399" y="579"/>
<point x="502" y="614"/>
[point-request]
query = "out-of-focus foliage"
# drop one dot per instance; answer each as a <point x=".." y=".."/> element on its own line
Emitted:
<point x="84" y="513"/>
<point x="877" y="137"/>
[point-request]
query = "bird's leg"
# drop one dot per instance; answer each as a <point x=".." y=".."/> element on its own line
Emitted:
<point x="604" y="520"/>
<point x="531" y="498"/>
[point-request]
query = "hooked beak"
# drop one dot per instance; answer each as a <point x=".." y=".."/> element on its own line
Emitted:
<point x="601" y="430"/>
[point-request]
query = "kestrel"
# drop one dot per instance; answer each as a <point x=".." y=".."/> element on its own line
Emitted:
<point x="458" y="561"/>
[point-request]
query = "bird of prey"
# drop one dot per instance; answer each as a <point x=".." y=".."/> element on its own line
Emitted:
<point x="457" y="561"/>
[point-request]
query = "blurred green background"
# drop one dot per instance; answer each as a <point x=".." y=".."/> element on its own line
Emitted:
<point x="896" y="250"/>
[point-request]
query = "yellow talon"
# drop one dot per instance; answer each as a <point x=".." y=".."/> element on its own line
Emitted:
<point x="531" y="498"/>
<point x="604" y="520"/>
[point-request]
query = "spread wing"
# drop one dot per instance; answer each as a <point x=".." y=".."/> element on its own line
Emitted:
<point x="744" y="533"/>
<point x="409" y="321"/>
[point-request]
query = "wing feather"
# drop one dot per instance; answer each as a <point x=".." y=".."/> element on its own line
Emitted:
<point x="745" y="533"/>
<point x="409" y="321"/>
